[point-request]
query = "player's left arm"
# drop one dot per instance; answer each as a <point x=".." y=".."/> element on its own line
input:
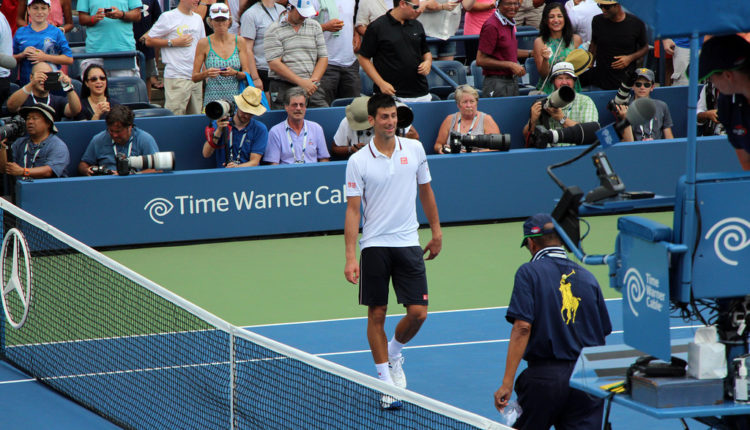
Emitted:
<point x="427" y="197"/>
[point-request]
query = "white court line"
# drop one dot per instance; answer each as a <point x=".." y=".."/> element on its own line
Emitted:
<point x="389" y="316"/>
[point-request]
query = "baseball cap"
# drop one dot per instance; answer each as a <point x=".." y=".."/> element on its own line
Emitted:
<point x="722" y="53"/>
<point x="643" y="72"/>
<point x="219" y="10"/>
<point x="563" y="67"/>
<point x="250" y="101"/>
<point x="356" y="114"/>
<point x="47" y="2"/>
<point x="534" y="226"/>
<point x="42" y="108"/>
<point x="304" y="7"/>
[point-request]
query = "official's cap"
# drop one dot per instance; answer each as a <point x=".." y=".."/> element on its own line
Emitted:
<point x="722" y="53"/>
<point x="537" y="225"/>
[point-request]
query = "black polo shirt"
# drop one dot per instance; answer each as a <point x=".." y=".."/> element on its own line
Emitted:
<point x="396" y="51"/>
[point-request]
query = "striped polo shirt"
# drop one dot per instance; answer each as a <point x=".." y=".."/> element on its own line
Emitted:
<point x="298" y="50"/>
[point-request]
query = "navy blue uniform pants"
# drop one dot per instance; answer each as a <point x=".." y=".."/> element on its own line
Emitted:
<point x="547" y="399"/>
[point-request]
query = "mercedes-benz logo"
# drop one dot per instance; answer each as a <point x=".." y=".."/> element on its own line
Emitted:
<point x="16" y="282"/>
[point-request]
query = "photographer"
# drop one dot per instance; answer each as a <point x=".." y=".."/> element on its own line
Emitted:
<point x="39" y="153"/>
<point x="468" y="119"/>
<point x="44" y="80"/>
<point x="120" y="137"/>
<point x="580" y="110"/>
<point x="245" y="137"/>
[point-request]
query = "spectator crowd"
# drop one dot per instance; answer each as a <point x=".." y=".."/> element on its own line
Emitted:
<point x="262" y="55"/>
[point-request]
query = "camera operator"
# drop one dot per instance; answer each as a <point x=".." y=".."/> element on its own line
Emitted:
<point x="39" y="153"/>
<point x="580" y="110"/>
<point x="468" y="119"/>
<point x="660" y="126"/>
<point x="245" y="137"/>
<point x="120" y="137"/>
<point x="38" y="91"/>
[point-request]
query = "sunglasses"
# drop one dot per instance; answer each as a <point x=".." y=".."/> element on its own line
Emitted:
<point x="98" y="78"/>
<point x="643" y="84"/>
<point x="413" y="6"/>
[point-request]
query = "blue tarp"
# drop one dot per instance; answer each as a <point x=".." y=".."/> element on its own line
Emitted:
<point x="670" y="18"/>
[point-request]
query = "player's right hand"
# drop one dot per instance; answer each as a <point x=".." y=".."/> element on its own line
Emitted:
<point x="351" y="271"/>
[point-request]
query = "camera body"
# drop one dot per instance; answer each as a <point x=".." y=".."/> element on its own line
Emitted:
<point x="158" y="161"/>
<point x="623" y="93"/>
<point x="219" y="109"/>
<point x="101" y="171"/>
<point x="497" y="142"/>
<point x="13" y="128"/>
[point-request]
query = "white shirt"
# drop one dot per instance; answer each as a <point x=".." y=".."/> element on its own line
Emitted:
<point x="345" y="135"/>
<point x="170" y="25"/>
<point x="388" y="191"/>
<point x="581" y="15"/>
<point x="339" y="44"/>
<point x="6" y="43"/>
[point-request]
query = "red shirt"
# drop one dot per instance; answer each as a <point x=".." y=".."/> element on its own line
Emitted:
<point x="498" y="40"/>
<point x="9" y="9"/>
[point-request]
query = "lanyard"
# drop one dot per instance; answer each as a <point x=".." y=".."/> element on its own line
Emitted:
<point x="26" y="155"/>
<point x="291" y="144"/>
<point x="130" y="146"/>
<point x="235" y="155"/>
<point x="473" y="123"/>
<point x="647" y="135"/>
<point x="269" y="13"/>
<point x="49" y="99"/>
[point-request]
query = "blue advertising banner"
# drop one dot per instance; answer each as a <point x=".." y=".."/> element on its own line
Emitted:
<point x="721" y="264"/>
<point x="645" y="305"/>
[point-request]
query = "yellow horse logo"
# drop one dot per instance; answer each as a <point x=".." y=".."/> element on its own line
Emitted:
<point x="569" y="301"/>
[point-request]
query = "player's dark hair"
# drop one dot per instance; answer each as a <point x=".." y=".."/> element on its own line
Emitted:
<point x="379" y="101"/>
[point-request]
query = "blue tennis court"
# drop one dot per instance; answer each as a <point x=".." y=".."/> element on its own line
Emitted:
<point x="458" y="358"/>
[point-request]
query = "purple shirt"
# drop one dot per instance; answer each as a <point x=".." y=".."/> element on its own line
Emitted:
<point x="287" y="147"/>
<point x="498" y="40"/>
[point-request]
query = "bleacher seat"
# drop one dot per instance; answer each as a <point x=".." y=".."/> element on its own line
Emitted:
<point x="113" y="61"/>
<point x="438" y="85"/>
<point x="128" y="89"/>
<point x="532" y="74"/>
<point x="476" y="72"/>
<point x="4" y="110"/>
<point x="366" y="82"/>
<point x="150" y="112"/>
<point x="525" y="35"/>
<point x="77" y="36"/>
<point x="342" y="102"/>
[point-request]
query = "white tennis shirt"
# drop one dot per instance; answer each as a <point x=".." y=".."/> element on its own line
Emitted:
<point x="388" y="191"/>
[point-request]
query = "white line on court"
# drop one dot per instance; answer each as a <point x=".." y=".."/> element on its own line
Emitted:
<point x="389" y="316"/>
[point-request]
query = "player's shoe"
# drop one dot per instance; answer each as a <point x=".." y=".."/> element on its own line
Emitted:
<point x="395" y="366"/>
<point x="389" y="402"/>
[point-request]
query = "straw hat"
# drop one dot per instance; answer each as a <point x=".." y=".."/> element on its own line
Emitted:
<point x="356" y="114"/>
<point x="249" y="101"/>
<point x="581" y="60"/>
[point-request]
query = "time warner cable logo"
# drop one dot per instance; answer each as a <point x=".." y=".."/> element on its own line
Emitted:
<point x="731" y="236"/>
<point x="157" y="208"/>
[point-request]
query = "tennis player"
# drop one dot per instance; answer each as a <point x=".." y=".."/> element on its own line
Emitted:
<point x="384" y="177"/>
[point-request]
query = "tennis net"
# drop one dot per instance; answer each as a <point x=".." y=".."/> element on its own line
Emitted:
<point x="144" y="357"/>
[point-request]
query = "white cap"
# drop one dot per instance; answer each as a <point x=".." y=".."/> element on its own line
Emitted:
<point x="304" y="7"/>
<point x="563" y="67"/>
<point x="47" y="2"/>
<point x="219" y="10"/>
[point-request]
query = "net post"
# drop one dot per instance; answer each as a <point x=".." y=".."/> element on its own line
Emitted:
<point x="2" y="316"/>
<point x="232" y="374"/>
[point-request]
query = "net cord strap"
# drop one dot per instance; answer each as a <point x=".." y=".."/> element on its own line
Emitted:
<point x="236" y="332"/>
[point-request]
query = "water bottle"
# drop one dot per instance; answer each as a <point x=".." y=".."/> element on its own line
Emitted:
<point x="510" y="413"/>
<point x="741" y="380"/>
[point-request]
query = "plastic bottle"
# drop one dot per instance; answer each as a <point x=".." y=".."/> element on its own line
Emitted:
<point x="740" y="384"/>
<point x="510" y="413"/>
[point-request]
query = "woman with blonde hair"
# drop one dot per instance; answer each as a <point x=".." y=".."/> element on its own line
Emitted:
<point x="468" y="119"/>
